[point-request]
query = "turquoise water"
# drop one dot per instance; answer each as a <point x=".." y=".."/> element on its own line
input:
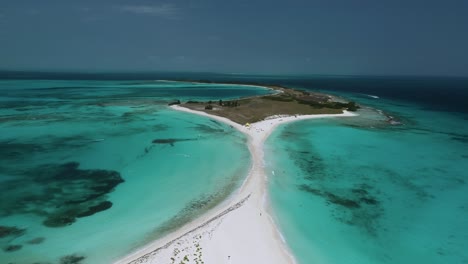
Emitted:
<point x="360" y="190"/>
<point x="97" y="169"/>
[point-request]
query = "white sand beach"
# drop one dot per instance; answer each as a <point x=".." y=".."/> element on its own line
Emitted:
<point x="240" y="230"/>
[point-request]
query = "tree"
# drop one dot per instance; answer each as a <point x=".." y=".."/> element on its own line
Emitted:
<point x="352" y="106"/>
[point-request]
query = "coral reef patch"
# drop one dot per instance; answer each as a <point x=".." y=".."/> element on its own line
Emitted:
<point x="171" y="141"/>
<point x="58" y="192"/>
<point x="11" y="231"/>
<point x="72" y="259"/>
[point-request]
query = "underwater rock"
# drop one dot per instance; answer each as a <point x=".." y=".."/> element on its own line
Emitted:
<point x="60" y="219"/>
<point x="306" y="188"/>
<point x="59" y="193"/>
<point x="330" y="197"/>
<point x="12" y="248"/>
<point x="171" y="141"/>
<point x="71" y="259"/>
<point x="355" y="206"/>
<point x="160" y="127"/>
<point x="10" y="150"/>
<point x="96" y="209"/>
<point x="335" y="199"/>
<point x="6" y="231"/>
<point x="359" y="191"/>
<point x="367" y="200"/>
<point x="356" y="198"/>
<point x="208" y="129"/>
<point x="36" y="241"/>
<point x="463" y="139"/>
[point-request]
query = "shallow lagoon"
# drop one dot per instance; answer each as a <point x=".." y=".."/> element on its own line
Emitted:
<point x="361" y="190"/>
<point x="87" y="169"/>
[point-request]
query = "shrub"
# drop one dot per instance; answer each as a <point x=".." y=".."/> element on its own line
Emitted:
<point x="175" y="102"/>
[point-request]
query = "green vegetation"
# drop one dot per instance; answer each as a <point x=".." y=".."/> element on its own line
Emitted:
<point x="280" y="98"/>
<point x="176" y="102"/>
<point x="350" y="106"/>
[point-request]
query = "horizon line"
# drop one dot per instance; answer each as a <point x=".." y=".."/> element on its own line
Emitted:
<point x="149" y="72"/>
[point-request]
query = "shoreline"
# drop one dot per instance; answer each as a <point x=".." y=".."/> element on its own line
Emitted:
<point x="267" y="87"/>
<point x="239" y="230"/>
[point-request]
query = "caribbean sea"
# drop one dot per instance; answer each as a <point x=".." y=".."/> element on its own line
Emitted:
<point x="91" y="170"/>
<point x="95" y="168"/>
<point x="389" y="186"/>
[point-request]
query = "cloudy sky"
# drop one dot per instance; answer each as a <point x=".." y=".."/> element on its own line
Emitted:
<point x="370" y="37"/>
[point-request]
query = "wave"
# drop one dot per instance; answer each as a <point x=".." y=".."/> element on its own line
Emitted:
<point x="372" y="96"/>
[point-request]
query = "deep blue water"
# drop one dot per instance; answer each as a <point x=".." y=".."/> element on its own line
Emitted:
<point x="439" y="94"/>
<point x="436" y="93"/>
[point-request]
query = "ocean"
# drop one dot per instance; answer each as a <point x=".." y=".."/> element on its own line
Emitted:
<point x="94" y="166"/>
<point x="389" y="186"/>
<point x="92" y="169"/>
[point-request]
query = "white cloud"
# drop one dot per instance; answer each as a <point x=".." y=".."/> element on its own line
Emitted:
<point x="163" y="10"/>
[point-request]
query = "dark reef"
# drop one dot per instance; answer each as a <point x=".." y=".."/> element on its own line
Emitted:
<point x="72" y="259"/>
<point x="355" y="206"/>
<point x="12" y="248"/>
<point x="160" y="127"/>
<point x="36" y="241"/>
<point x="171" y="141"/>
<point x="11" y="231"/>
<point x="96" y="209"/>
<point x="208" y="129"/>
<point x="59" y="193"/>
<point x="331" y="197"/>
<point x="60" y="218"/>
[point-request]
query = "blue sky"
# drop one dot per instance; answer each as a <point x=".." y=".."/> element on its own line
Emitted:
<point x="238" y="36"/>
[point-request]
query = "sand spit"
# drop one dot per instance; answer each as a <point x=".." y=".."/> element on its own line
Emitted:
<point x="239" y="230"/>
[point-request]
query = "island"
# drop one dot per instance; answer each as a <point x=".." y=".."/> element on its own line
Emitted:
<point x="284" y="102"/>
<point x="242" y="229"/>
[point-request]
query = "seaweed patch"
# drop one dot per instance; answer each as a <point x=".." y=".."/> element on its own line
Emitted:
<point x="331" y="197"/>
<point x="310" y="163"/>
<point x="59" y="193"/>
<point x="36" y="241"/>
<point x="72" y="259"/>
<point x="96" y="209"/>
<point x="11" y="231"/>
<point x="12" y="248"/>
<point x="160" y="127"/>
<point x="208" y="129"/>
<point x="355" y="206"/>
<point x="171" y="141"/>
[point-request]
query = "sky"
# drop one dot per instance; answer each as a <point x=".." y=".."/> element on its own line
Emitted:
<point x="342" y="37"/>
